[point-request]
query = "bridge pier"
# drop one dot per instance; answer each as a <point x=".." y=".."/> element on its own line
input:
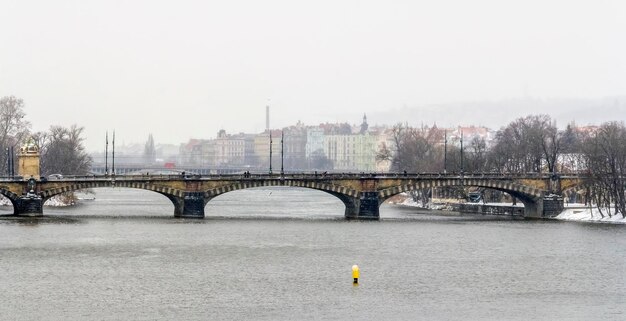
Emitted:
<point x="28" y="206"/>
<point x="366" y="207"/>
<point x="543" y="207"/>
<point x="189" y="206"/>
<point x="533" y="210"/>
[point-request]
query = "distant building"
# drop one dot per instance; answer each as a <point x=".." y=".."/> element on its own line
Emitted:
<point x="364" y="125"/>
<point x="191" y="153"/>
<point x="585" y="130"/>
<point x="470" y="133"/>
<point x="336" y="129"/>
<point x="355" y="152"/>
<point x="314" y="141"/>
<point x="262" y="149"/>
<point x="295" y="142"/>
<point x="166" y="152"/>
<point x="230" y="150"/>
<point x="384" y="140"/>
<point x="352" y="152"/>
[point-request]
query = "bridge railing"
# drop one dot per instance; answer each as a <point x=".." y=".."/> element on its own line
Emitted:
<point x="302" y="175"/>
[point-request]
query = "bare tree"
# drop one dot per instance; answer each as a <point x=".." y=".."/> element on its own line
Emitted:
<point x="13" y="127"/>
<point x="394" y="154"/>
<point x="63" y="152"/>
<point x="414" y="150"/>
<point x="477" y="155"/>
<point x="526" y="145"/>
<point x="605" y="153"/>
<point x="551" y="145"/>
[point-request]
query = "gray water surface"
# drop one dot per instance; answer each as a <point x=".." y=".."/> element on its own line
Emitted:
<point x="286" y="254"/>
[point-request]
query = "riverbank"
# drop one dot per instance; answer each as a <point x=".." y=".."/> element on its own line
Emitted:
<point x="404" y="199"/>
<point x="582" y="214"/>
<point x="55" y="201"/>
<point x="572" y="212"/>
<point x="445" y="204"/>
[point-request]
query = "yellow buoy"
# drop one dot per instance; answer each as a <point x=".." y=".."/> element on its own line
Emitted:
<point x="355" y="274"/>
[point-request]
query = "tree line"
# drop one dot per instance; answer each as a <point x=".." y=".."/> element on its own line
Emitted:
<point x="531" y="144"/>
<point x="61" y="148"/>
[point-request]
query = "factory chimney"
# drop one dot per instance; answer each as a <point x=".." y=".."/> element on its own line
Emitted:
<point x="267" y="117"/>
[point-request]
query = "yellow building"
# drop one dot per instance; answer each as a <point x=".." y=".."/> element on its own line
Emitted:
<point x="355" y="152"/>
<point x="28" y="161"/>
<point x="262" y="150"/>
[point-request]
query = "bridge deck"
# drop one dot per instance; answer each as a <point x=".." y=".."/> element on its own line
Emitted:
<point x="362" y="193"/>
<point x="307" y="175"/>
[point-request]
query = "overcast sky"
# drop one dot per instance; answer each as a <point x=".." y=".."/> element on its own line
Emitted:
<point x="183" y="69"/>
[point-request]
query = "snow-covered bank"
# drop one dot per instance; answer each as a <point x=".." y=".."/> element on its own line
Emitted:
<point x="589" y="215"/>
<point x="5" y="201"/>
<point x="572" y="212"/>
<point x="55" y="201"/>
<point x="404" y="200"/>
<point x="60" y="201"/>
<point x="439" y="203"/>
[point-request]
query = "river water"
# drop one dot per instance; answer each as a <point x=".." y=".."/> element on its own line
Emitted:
<point x="286" y="254"/>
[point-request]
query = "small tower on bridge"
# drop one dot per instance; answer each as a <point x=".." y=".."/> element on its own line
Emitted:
<point x="28" y="160"/>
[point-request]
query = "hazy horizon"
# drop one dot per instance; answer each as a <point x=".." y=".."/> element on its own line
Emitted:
<point x="189" y="69"/>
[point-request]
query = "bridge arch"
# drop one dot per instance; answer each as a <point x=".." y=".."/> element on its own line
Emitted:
<point x="529" y="196"/>
<point x="348" y="196"/>
<point x="174" y="195"/>
<point x="12" y="197"/>
<point x="278" y="201"/>
<point x="508" y="187"/>
<point x="576" y="189"/>
<point x="332" y="189"/>
<point x="166" y="191"/>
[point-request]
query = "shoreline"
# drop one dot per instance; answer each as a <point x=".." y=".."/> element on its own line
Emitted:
<point x="591" y="215"/>
<point x="571" y="213"/>
<point x="52" y="202"/>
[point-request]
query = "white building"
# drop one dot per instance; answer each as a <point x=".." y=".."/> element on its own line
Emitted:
<point x="314" y="140"/>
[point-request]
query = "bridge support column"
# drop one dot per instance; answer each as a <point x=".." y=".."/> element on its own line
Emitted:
<point x="544" y="207"/>
<point x="364" y="208"/>
<point x="189" y="206"/>
<point x="533" y="209"/>
<point x="552" y="205"/>
<point x="28" y="206"/>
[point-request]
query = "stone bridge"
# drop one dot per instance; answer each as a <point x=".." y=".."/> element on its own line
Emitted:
<point x="362" y="194"/>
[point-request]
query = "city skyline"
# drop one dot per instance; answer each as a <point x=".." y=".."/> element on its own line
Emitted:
<point x="200" y="67"/>
<point x="306" y="160"/>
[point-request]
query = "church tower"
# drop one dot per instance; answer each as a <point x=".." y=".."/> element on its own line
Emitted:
<point x="364" y="125"/>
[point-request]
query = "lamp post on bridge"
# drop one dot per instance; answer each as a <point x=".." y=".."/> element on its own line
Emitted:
<point x="13" y="160"/>
<point x="113" y="160"/>
<point x="462" y="168"/>
<point x="462" y="153"/>
<point x="445" y="151"/>
<point x="106" y="154"/>
<point x="282" y="153"/>
<point x="10" y="161"/>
